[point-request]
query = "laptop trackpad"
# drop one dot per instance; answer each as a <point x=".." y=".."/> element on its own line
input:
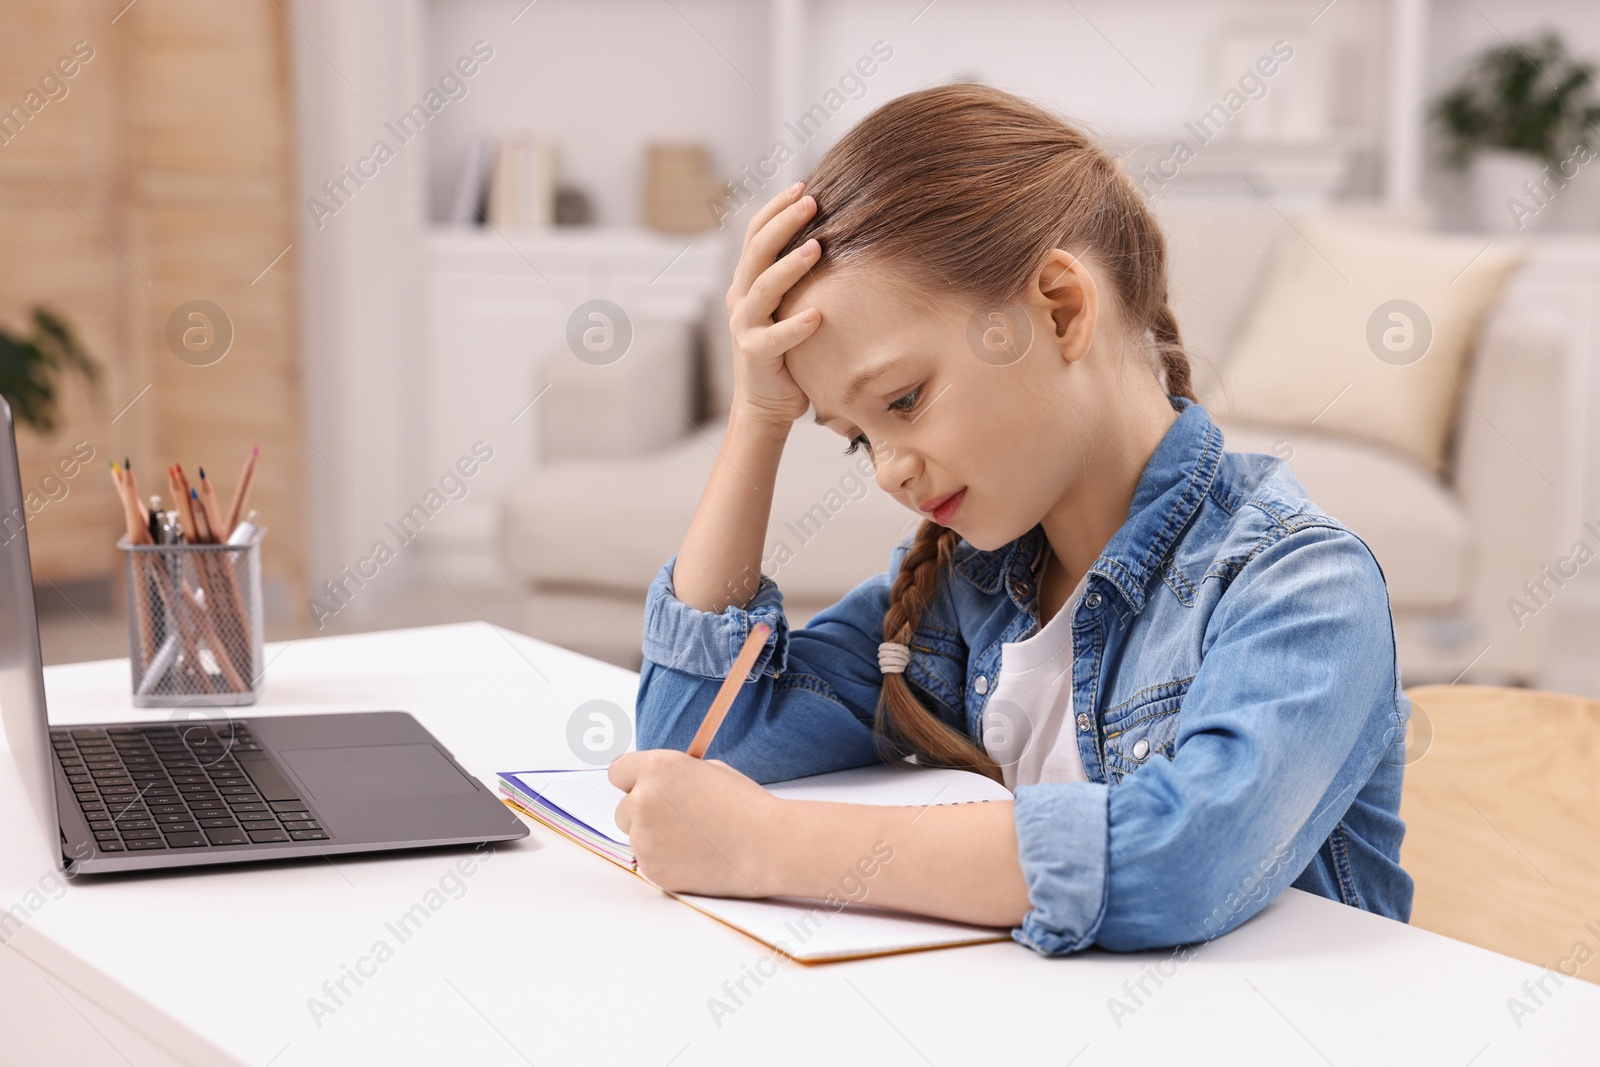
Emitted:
<point x="376" y="772"/>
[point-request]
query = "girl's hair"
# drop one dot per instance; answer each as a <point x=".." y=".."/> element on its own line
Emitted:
<point x="960" y="191"/>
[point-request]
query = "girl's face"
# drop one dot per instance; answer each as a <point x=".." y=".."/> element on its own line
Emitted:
<point x="955" y="401"/>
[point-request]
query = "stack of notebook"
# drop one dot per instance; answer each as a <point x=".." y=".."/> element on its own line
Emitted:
<point x="581" y="804"/>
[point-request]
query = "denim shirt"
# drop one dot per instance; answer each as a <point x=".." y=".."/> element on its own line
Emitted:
<point x="1237" y="697"/>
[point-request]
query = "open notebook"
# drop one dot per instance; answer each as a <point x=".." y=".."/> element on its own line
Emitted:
<point x="580" y="805"/>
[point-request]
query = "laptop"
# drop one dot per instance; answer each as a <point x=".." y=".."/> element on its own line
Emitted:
<point x="187" y="791"/>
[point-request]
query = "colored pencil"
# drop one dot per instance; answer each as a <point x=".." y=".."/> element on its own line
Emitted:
<point x="226" y="594"/>
<point x="138" y="534"/>
<point x="138" y="530"/>
<point x="202" y="533"/>
<point x="180" y="490"/>
<point x="208" y="500"/>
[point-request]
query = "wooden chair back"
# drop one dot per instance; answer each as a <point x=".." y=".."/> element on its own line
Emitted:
<point x="1502" y="809"/>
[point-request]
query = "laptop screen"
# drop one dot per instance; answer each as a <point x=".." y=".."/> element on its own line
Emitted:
<point x="21" y="665"/>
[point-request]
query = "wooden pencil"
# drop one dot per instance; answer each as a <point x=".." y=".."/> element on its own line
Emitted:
<point x="225" y="657"/>
<point x="180" y="493"/>
<point x="202" y="528"/>
<point x="138" y="534"/>
<point x="241" y="492"/>
<point x="208" y="501"/>
<point x="226" y="595"/>
<point x="730" y="689"/>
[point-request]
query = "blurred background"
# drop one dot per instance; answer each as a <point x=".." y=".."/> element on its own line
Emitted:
<point x="458" y="268"/>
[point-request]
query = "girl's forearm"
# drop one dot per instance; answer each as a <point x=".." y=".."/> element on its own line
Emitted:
<point x="952" y="861"/>
<point x="720" y="560"/>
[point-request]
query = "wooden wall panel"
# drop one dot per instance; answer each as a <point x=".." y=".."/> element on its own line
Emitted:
<point x="214" y="414"/>
<point x="76" y="131"/>
<point x="52" y="256"/>
<point x="174" y="141"/>
<point x="209" y="96"/>
<point x="60" y="186"/>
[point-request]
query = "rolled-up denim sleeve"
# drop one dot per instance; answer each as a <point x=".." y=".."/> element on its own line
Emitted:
<point x="705" y="643"/>
<point x="809" y="702"/>
<point x="1284" y="721"/>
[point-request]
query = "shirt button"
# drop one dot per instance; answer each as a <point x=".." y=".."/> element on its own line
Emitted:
<point x="981" y="685"/>
<point x="1093" y="600"/>
<point x="1141" y="748"/>
<point x="1022" y="588"/>
<point x="1083" y="723"/>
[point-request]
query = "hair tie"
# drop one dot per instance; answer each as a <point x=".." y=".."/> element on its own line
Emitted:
<point x="893" y="657"/>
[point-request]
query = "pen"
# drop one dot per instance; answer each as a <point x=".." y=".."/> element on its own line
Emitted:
<point x="245" y="531"/>
<point x="730" y="689"/>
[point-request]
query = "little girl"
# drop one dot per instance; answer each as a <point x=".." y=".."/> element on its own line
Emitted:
<point x="1184" y="671"/>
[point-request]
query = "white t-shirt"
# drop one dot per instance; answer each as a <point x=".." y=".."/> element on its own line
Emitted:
<point x="1028" y="723"/>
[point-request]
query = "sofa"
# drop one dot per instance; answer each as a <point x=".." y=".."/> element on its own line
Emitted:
<point x="586" y="533"/>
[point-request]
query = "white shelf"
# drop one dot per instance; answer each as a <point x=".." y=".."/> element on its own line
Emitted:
<point x="629" y="249"/>
<point x="654" y="275"/>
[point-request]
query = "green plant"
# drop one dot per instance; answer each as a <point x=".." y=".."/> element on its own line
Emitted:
<point x="30" y="367"/>
<point x="1529" y="97"/>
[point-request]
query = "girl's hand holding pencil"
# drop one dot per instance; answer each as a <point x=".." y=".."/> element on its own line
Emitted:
<point x="695" y="825"/>
<point x="698" y="825"/>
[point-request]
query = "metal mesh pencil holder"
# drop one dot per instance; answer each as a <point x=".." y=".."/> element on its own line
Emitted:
<point x="194" y="622"/>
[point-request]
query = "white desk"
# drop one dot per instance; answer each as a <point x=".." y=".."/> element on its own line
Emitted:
<point x="552" y="955"/>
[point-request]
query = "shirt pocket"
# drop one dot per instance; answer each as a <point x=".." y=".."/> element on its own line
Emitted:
<point x="1143" y="727"/>
<point x="938" y="668"/>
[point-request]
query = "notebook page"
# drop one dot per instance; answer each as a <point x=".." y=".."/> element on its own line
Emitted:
<point x="587" y="796"/>
<point x="816" y="930"/>
<point x="806" y="930"/>
<point x="893" y="784"/>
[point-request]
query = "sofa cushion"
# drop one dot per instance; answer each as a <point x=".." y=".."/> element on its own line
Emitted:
<point x="611" y="523"/>
<point x="615" y="409"/>
<point x="1218" y="247"/>
<point x="1327" y="338"/>
<point x="1417" y="528"/>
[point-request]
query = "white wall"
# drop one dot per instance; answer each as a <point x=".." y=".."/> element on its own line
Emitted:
<point x="1134" y="69"/>
<point x="358" y="277"/>
<point x="604" y="77"/>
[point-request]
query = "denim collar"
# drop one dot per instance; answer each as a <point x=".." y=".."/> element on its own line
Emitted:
<point x="1174" y="481"/>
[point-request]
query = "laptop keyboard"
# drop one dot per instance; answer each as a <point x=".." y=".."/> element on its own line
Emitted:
<point x="181" y="786"/>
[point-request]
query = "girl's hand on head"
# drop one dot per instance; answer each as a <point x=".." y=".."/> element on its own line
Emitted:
<point x="696" y="826"/>
<point x="762" y="386"/>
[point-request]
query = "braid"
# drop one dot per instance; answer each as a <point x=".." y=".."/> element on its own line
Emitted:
<point x="1174" y="359"/>
<point x="903" y="725"/>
